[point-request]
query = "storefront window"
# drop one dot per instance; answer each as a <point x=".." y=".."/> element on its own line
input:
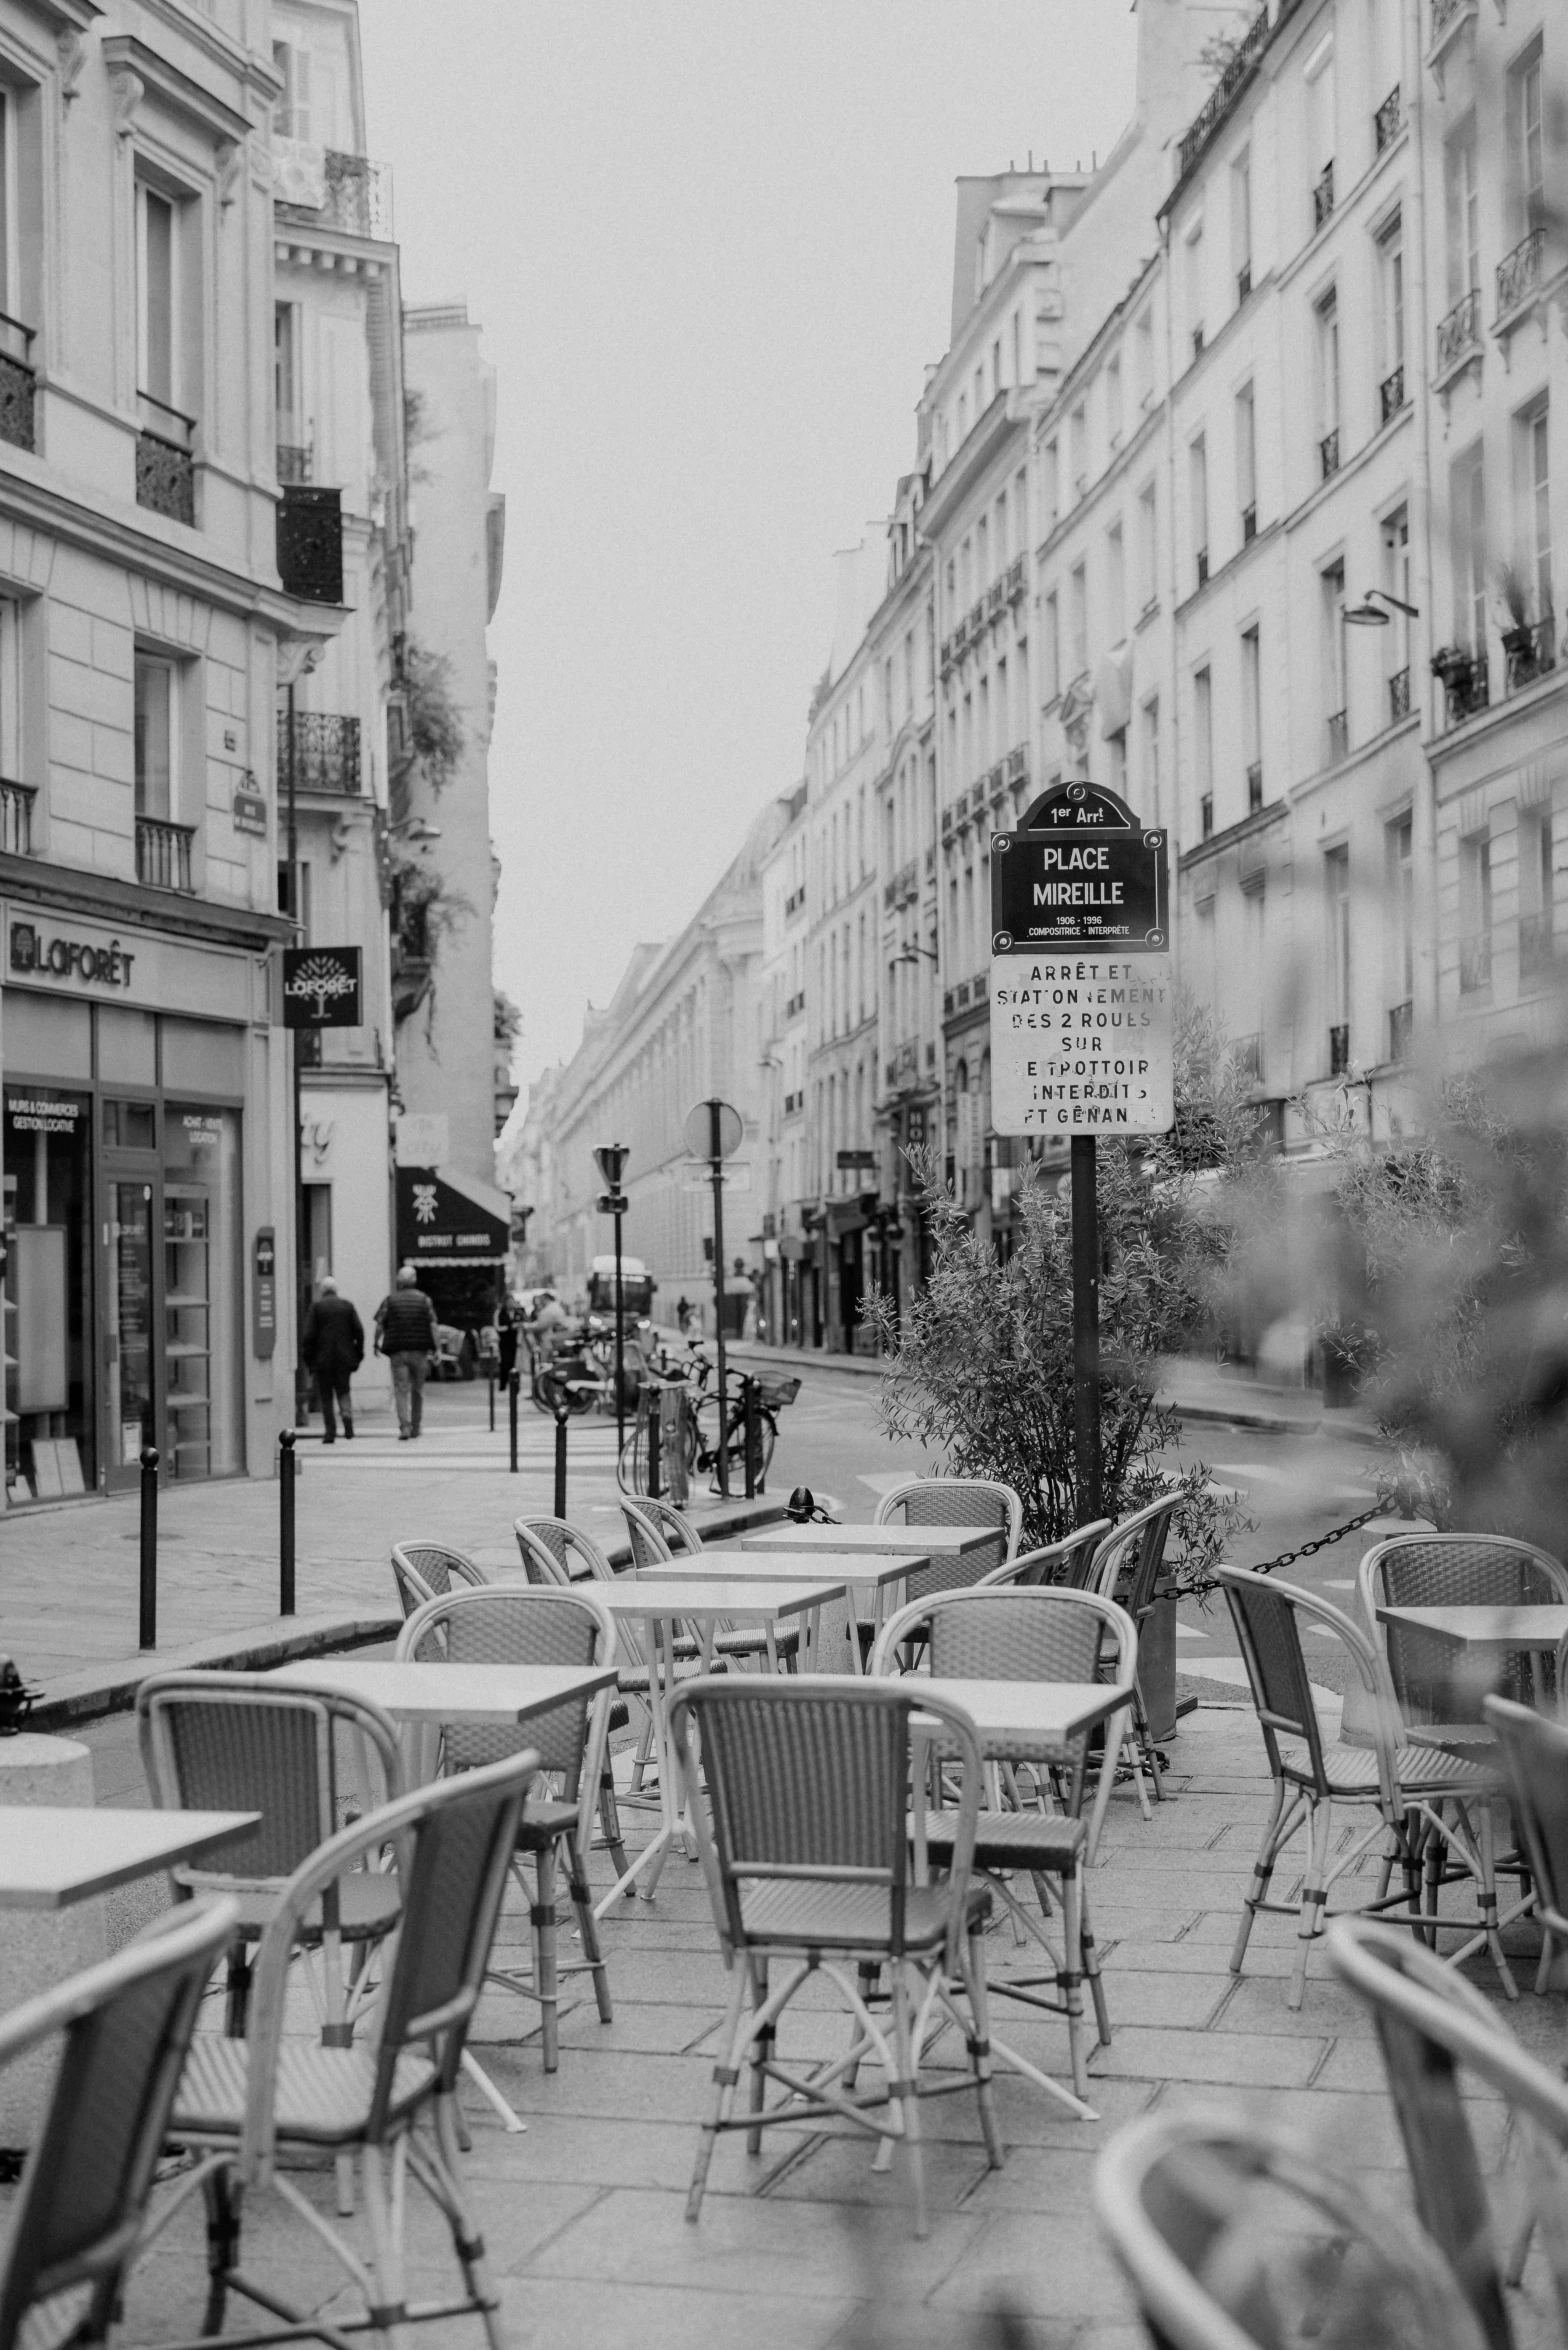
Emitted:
<point x="201" y="1286"/>
<point x="48" y="1425"/>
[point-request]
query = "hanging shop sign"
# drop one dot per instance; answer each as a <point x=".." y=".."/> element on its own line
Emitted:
<point x="250" y="809"/>
<point x="1083" y="998"/>
<point x="321" y="987"/>
<point x="444" y="1218"/>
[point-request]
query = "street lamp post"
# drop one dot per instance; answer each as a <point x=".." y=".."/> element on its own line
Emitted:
<point x="610" y="1159"/>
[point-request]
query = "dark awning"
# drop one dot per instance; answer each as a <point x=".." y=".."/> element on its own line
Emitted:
<point x="444" y="1218"/>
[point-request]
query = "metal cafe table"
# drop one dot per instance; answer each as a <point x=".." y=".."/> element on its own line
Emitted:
<point x="869" y="1577"/>
<point x="1020" y="1721"/>
<point x="1485" y="1634"/>
<point x="54" y="1854"/>
<point x="932" y="1542"/>
<point x="664" y="1599"/>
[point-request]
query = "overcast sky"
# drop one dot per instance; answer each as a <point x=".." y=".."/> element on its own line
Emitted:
<point x="710" y="243"/>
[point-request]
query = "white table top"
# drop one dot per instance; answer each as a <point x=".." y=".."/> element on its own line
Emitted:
<point x="53" y="1854"/>
<point x="662" y="1592"/>
<point x="949" y="1542"/>
<point x="1018" y="1714"/>
<point x="436" y="1692"/>
<point x="777" y="1566"/>
<point x="1485" y="1627"/>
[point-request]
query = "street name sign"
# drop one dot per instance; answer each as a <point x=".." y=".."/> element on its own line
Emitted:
<point x="735" y="1176"/>
<point x="1082" y="986"/>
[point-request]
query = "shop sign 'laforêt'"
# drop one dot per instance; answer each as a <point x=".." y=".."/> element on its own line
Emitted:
<point x="1082" y="987"/>
<point x="321" y="987"/>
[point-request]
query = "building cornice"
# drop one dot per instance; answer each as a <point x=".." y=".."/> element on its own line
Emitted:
<point x="247" y="65"/>
<point x="123" y="53"/>
<point x="103" y="896"/>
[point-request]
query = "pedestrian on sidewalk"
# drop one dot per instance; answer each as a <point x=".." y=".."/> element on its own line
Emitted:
<point x="406" y="1334"/>
<point x="333" y="1347"/>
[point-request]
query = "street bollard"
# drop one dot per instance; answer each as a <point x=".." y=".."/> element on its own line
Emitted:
<point x="655" y="1415"/>
<point x="560" y="1464"/>
<point x="147" y="1635"/>
<point x="286" y="1466"/>
<point x="751" y="1433"/>
<point x="511" y="1416"/>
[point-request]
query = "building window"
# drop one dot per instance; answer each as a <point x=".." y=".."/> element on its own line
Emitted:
<point x="1078" y="618"/>
<point x="1115" y="584"/>
<point x="1118" y="749"/>
<point x="1336" y="875"/>
<point x="1391" y="319"/>
<point x="1528" y="155"/>
<point x="1053" y="647"/>
<point x="155" y="736"/>
<point x="1462" y="201"/>
<point x="1241" y="223"/>
<point x="1113" y="403"/>
<point x="1148" y="548"/>
<point x="1151" y="758"/>
<point x="157" y="371"/>
<point x="1195" y="287"/>
<point x="1467" y="520"/>
<point x="1331" y="624"/>
<point x="1198" y="496"/>
<point x="1400" y="863"/>
<point x="1326" y="324"/>
<point x="291" y="116"/>
<point x="1396" y="637"/>
<point x="1538" y="888"/>
<point x="1252" y="716"/>
<point x="1533" y="512"/>
<point x="1247" y="462"/>
<point x="1203" y="747"/>
<point x="1143" y="358"/>
<point x="1475" y="911"/>
<point x="1052" y="490"/>
<point x="1078" y="449"/>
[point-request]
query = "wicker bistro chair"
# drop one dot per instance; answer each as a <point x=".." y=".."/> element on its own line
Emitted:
<point x="676" y="1530"/>
<point x="523" y="1626"/>
<point x="257" y="2109"/>
<point x="1234" y="2238"/>
<point x="992" y="1634"/>
<point x="306" y="1759"/>
<point x="955" y="1501"/>
<point x="803" y="1835"/>
<point x="1126" y="1567"/>
<point x="1433" y="1680"/>
<point x="428" y="1570"/>
<point x="1430" y="2024"/>
<point x="1535" y="1763"/>
<point x="656" y="1543"/>
<point x="1423" y="1799"/>
<point x="1064" y="1565"/>
<point x="126" y="2025"/>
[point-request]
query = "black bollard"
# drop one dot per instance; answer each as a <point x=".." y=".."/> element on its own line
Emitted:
<point x="654" y="1421"/>
<point x="751" y="1428"/>
<point x="511" y="1417"/>
<point x="147" y="1635"/>
<point x="286" y="1465"/>
<point x="560" y="1464"/>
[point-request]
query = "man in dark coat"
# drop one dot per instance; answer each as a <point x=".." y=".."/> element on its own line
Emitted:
<point x="406" y="1334"/>
<point x="333" y="1347"/>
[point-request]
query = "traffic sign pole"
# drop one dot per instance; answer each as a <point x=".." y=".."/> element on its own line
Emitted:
<point x="1087" y="1464"/>
<point x="716" y="1156"/>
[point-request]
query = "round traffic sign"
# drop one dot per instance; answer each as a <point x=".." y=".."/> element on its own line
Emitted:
<point x="700" y="1140"/>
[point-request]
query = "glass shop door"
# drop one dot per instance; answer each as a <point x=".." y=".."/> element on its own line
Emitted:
<point x="133" y="1361"/>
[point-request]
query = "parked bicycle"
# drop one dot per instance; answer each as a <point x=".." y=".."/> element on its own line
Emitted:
<point x="690" y="1436"/>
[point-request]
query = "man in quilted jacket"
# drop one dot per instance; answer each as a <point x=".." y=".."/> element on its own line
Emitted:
<point x="406" y="1334"/>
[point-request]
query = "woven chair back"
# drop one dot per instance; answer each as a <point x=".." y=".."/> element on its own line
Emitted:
<point x="126" y="2027"/>
<point x="555" y="1551"/>
<point x="679" y="1536"/>
<point x="1220" y="2226"/>
<point x="1127" y="1565"/>
<point x="955" y="1501"/>
<point x="1063" y="1564"/>
<point x="239" y="1742"/>
<point x="1435" y="1681"/>
<point x="1535" y="1759"/>
<point x="649" y="1547"/>
<point x="428" y="1570"/>
<point x="521" y="1626"/>
<point x="1431" y="2025"/>
<point x="1264" y="1614"/>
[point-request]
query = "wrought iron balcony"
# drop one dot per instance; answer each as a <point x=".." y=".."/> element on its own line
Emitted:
<point x="293" y="461"/>
<point x="1398" y="696"/>
<point x="1339" y="1048"/>
<point x="18" y="384"/>
<point x="358" y="196"/>
<point x="1322" y="196"/>
<point x="1254" y="787"/>
<point x="1466" y="682"/>
<point x="310" y="544"/>
<point x="1338" y="736"/>
<point x="1391" y="393"/>
<point x="1519" y="273"/>
<point x="1399" y="1024"/>
<point x="1475" y="962"/>
<point x="322" y="752"/>
<point x="1537" y="945"/>
<point x="1328" y="453"/>
<point x="1530" y="651"/>
<point x="16" y="818"/>
<point x="1386" y="122"/>
<point x="1238" y="71"/>
<point x="163" y="853"/>
<point x="1459" y="333"/>
<point x="166" y="460"/>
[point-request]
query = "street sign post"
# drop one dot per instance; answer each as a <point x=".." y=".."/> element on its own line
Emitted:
<point x="610" y="1159"/>
<point x="713" y="1132"/>
<point x="1083" y="1018"/>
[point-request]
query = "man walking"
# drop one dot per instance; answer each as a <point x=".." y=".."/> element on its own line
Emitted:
<point x="332" y="1347"/>
<point x="406" y="1333"/>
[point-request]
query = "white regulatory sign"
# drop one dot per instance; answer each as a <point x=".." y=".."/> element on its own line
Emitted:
<point x="1082" y="1044"/>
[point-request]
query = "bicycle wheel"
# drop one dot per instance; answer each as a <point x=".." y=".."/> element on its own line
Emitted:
<point x="631" y="1470"/>
<point x="704" y="1424"/>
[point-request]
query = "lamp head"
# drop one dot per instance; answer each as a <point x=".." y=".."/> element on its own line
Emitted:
<point x="610" y="1158"/>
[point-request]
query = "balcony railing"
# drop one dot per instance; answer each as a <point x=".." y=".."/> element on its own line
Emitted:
<point x="1398" y="696"/>
<point x="1249" y="524"/>
<point x="1386" y="121"/>
<point x="357" y="196"/>
<point x="1519" y="274"/>
<point x="18" y="384"/>
<point x="1536" y="943"/>
<point x="16" y="818"/>
<point x="1328" y="453"/>
<point x="1399" y="1022"/>
<point x="1254" y="787"/>
<point x="293" y="461"/>
<point x="1322" y="196"/>
<point x="310" y="544"/>
<point x="1530" y="651"/>
<point x="1211" y="114"/>
<point x="163" y="853"/>
<point x="1338" y="736"/>
<point x="1459" y="334"/>
<point x="1475" y="962"/>
<point x="325" y="752"/>
<point x="166" y="460"/>
<point x="1391" y="393"/>
<point x="1339" y="1048"/>
<point x="1466" y="682"/>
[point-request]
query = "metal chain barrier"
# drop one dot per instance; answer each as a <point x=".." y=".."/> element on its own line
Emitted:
<point x="1288" y="1558"/>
